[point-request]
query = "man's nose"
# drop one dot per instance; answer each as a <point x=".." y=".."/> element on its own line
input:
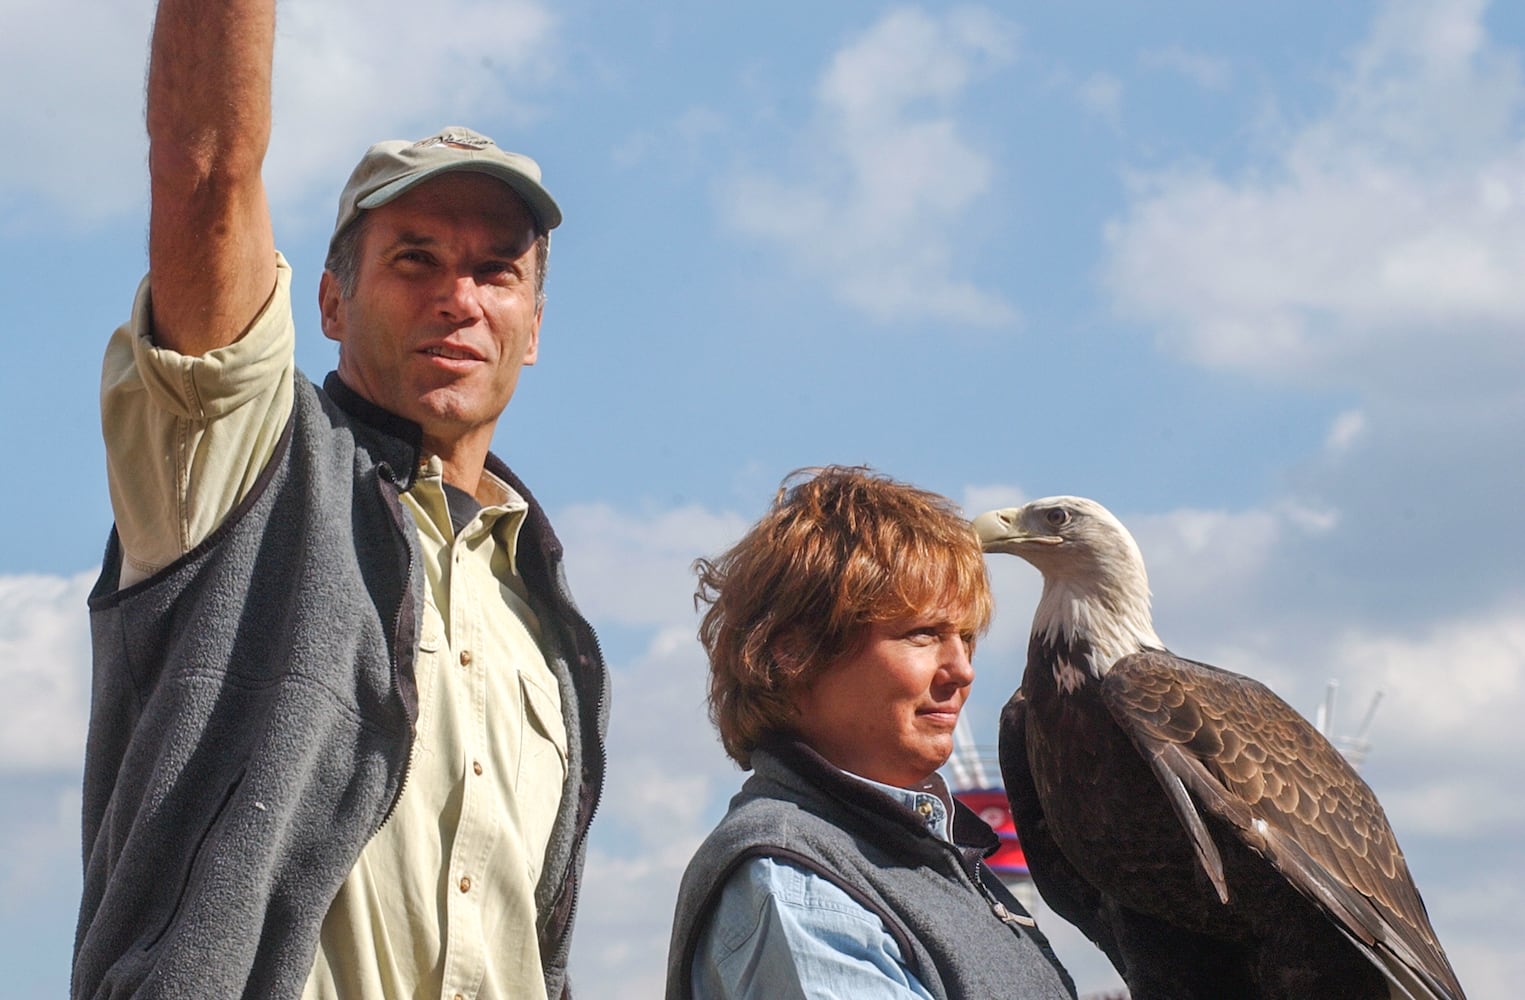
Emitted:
<point x="461" y="298"/>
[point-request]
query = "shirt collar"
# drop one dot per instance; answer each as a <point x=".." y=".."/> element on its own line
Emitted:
<point x="930" y="800"/>
<point x="398" y="441"/>
<point x="502" y="509"/>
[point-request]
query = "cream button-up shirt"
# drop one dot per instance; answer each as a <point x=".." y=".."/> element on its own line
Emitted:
<point x="441" y="902"/>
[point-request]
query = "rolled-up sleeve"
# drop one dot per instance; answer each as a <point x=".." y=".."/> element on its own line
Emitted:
<point x="187" y="437"/>
<point x="781" y="932"/>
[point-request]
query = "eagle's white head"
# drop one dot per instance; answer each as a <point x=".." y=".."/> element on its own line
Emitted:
<point x="1094" y="583"/>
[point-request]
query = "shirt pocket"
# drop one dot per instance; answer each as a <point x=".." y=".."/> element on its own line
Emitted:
<point x="431" y="646"/>
<point x="545" y="735"/>
<point x="542" y="771"/>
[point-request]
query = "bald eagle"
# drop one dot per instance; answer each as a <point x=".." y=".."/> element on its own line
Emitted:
<point x="1208" y="839"/>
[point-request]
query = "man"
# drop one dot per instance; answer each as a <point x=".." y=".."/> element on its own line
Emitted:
<point x="839" y="634"/>
<point x="347" y="725"/>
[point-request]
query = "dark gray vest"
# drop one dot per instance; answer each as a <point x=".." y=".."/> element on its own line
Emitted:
<point x="252" y="714"/>
<point x="960" y="931"/>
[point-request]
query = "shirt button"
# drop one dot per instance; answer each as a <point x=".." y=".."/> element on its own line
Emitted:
<point x="476" y="767"/>
<point x="465" y="883"/>
<point x="925" y="808"/>
<point x="465" y="657"/>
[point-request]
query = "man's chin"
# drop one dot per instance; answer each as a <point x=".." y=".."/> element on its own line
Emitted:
<point x="452" y="407"/>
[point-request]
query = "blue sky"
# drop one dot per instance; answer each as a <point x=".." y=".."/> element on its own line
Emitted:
<point x="1248" y="274"/>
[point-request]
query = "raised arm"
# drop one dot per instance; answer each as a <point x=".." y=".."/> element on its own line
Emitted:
<point x="210" y="246"/>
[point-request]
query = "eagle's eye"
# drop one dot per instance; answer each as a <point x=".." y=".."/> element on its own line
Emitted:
<point x="1057" y="517"/>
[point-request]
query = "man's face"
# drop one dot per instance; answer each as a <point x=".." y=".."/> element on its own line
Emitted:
<point x="886" y="710"/>
<point x="444" y="311"/>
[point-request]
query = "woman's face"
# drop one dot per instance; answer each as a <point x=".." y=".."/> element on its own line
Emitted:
<point x="886" y="709"/>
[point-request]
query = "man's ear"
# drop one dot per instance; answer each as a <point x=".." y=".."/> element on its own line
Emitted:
<point x="532" y="350"/>
<point x="331" y="306"/>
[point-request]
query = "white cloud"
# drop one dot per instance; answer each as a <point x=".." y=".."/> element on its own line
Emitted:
<point x="1206" y="71"/>
<point x="910" y="56"/>
<point x="37" y="841"/>
<point x="1480" y="909"/>
<point x="1102" y="95"/>
<point x="624" y="920"/>
<point x="682" y="142"/>
<point x="73" y="71"/>
<point x="1373" y="256"/>
<point x="1217" y="556"/>
<point x="978" y="499"/>
<point x="635" y="568"/>
<point x="668" y="780"/>
<point x="1456" y="808"/>
<point x="885" y="174"/>
<point x="44" y="671"/>
<point x="1345" y="431"/>
<point x="1461" y="679"/>
<point x="1383" y="242"/>
<point x="347" y="73"/>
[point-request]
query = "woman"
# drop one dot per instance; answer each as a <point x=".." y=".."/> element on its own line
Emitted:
<point x="839" y="634"/>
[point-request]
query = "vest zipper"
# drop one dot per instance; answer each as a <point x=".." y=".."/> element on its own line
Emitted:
<point x="971" y="869"/>
<point x="394" y="507"/>
<point x="1009" y="917"/>
<point x="569" y="612"/>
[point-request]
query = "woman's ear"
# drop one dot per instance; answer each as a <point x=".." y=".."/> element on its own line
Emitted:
<point x="787" y="650"/>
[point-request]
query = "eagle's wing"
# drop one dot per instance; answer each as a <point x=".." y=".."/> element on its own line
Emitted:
<point x="1251" y="761"/>
<point x="1061" y="886"/>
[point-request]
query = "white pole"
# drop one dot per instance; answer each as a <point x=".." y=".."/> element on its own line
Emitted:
<point x="968" y="772"/>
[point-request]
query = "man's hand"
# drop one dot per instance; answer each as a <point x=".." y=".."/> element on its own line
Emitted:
<point x="210" y="246"/>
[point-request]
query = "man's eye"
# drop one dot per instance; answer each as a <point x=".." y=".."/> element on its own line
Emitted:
<point x="497" y="272"/>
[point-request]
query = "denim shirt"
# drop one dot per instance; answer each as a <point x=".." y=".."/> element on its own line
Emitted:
<point x="781" y="932"/>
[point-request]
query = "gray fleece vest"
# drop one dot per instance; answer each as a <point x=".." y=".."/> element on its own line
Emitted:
<point x="961" y="933"/>
<point x="252" y="714"/>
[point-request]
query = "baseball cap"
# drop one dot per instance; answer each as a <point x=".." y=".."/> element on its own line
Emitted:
<point x="394" y="166"/>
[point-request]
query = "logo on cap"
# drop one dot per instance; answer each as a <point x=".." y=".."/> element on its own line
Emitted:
<point x="458" y="138"/>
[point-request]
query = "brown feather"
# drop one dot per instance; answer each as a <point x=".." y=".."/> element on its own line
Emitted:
<point x="1264" y="762"/>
